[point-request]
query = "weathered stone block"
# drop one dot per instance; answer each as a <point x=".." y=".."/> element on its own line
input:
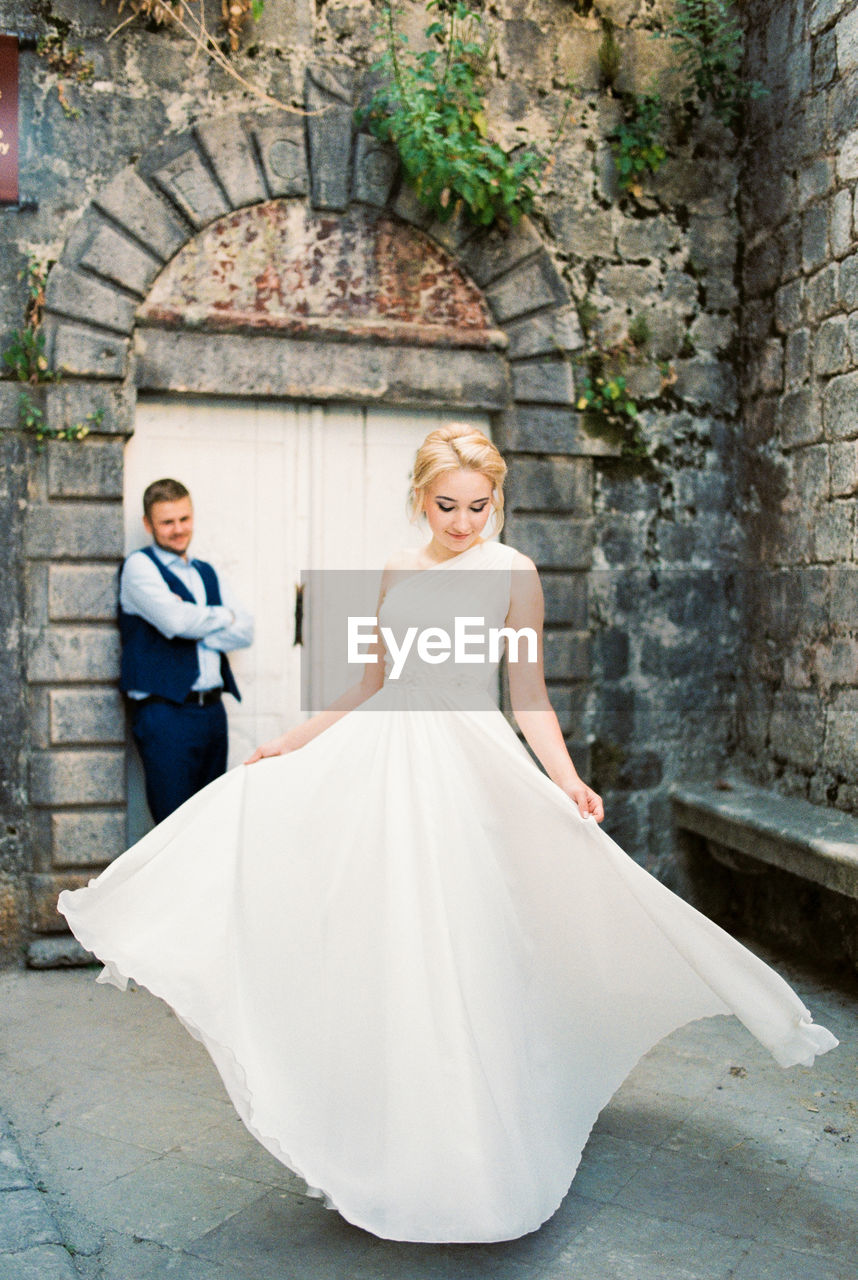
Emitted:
<point x="491" y="253"/>
<point x="544" y="381"/>
<point x="789" y="306"/>
<point x="839" y="407"/>
<point x="75" y="531"/>
<point x="843" y="460"/>
<point x="62" y="952"/>
<point x="712" y="334"/>
<point x="815" y="179"/>
<point x="841" y="110"/>
<point x="88" y="469"/>
<point x="847" y="158"/>
<point x="667" y="652"/>
<point x="329" y="135"/>
<point x="762" y="269"/>
<point x="770" y="366"/>
<point x="848" y="291"/>
<point x="844" y="597"/>
<point x="565" y="597"/>
<point x="611" y="656"/>
<point x="821" y="292"/>
<point x="647" y="239"/>
<point x="577" y="53"/>
<point x="99" y="247"/>
<point x="72" y="294"/>
<point x="797" y="417"/>
<point x="586" y="233"/>
<point x="68" y="653"/>
<point x="452" y="234"/>
<point x="570" y="706"/>
<point x="707" y="382"/>
<point x="77" y="777"/>
<point x="840" y="224"/>
<point x="81" y="352"/>
<point x="831" y="349"/>
<point x="185" y="179"/>
<point x="282" y="150"/>
<point x="797" y="727"/>
<point x="833" y="533"/>
<point x="87" y="838"/>
<point x="85" y="715"/>
<point x="841" y="741"/>
<point x="814" y="237"/>
<point x="567" y="655"/>
<point x="633" y="284"/>
<point x="82" y="592"/>
<point x="547" y="332"/>
<point x="846" y="32"/>
<point x="44" y="891"/>
<point x="375" y="169"/>
<point x="553" y="484"/>
<point x="264" y="365"/>
<point x="549" y="429"/>
<point x="69" y="403"/>
<point x="796" y="360"/>
<point x="527" y="288"/>
<point x="824" y="59"/>
<point x="407" y="207"/>
<point x="135" y="205"/>
<point x="230" y="153"/>
<point x="552" y="543"/>
<point x="822" y="12"/>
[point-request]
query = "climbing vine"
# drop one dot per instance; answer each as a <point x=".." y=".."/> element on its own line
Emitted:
<point x="27" y="362"/>
<point x="432" y="108"/>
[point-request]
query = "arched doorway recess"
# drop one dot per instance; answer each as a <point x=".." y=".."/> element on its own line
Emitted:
<point x="493" y="335"/>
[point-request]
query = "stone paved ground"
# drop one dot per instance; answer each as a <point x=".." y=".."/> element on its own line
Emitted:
<point x="710" y="1162"/>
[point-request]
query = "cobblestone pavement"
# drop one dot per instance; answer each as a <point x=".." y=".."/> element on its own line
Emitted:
<point x="123" y="1160"/>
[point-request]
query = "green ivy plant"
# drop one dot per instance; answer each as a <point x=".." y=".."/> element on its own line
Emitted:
<point x="25" y="356"/>
<point x="432" y="109"/>
<point x="710" y="45"/>
<point x="27" y="362"/>
<point x="637" y="143"/>
<point x="32" y="420"/>
<point x="603" y="395"/>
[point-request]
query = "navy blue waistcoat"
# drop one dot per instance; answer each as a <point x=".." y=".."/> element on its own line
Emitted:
<point x="168" y="668"/>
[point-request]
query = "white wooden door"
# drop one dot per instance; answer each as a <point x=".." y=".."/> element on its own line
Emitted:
<point x="277" y="488"/>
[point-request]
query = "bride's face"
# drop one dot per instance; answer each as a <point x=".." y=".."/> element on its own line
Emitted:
<point x="457" y="506"/>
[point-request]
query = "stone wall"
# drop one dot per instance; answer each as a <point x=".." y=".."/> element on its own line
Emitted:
<point x="636" y="552"/>
<point x="798" y="705"/>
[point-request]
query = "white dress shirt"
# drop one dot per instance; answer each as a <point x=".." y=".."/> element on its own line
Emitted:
<point x="216" y="628"/>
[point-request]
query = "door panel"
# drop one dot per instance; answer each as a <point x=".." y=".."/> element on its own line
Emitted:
<point x="277" y="488"/>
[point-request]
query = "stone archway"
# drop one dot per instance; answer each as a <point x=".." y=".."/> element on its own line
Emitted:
<point x="504" y="343"/>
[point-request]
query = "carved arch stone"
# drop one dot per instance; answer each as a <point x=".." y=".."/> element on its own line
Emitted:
<point x="150" y="211"/>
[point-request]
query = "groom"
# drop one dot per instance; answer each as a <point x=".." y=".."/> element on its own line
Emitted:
<point x="177" y="621"/>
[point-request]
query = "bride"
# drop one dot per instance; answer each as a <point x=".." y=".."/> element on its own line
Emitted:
<point x="418" y="963"/>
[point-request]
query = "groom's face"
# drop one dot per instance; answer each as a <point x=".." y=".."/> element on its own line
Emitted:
<point x="171" y="524"/>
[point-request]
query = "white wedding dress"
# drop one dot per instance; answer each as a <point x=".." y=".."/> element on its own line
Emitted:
<point x="420" y="973"/>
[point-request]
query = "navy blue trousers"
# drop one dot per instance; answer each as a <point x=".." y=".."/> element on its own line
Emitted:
<point x="183" y="749"/>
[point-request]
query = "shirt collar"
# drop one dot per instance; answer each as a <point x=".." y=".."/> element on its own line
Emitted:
<point x="170" y="558"/>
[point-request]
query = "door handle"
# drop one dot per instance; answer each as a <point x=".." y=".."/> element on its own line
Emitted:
<point x="299" y="614"/>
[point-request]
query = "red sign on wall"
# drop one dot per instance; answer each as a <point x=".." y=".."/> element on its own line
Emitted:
<point x="8" y="120"/>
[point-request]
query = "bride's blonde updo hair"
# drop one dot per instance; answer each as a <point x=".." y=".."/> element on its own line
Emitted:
<point x="456" y="447"/>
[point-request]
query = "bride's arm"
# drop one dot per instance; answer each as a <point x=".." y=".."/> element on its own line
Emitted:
<point x="533" y="711"/>
<point x="370" y="683"/>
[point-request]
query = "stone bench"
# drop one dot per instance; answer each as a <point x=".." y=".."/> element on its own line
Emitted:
<point x="777" y="867"/>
